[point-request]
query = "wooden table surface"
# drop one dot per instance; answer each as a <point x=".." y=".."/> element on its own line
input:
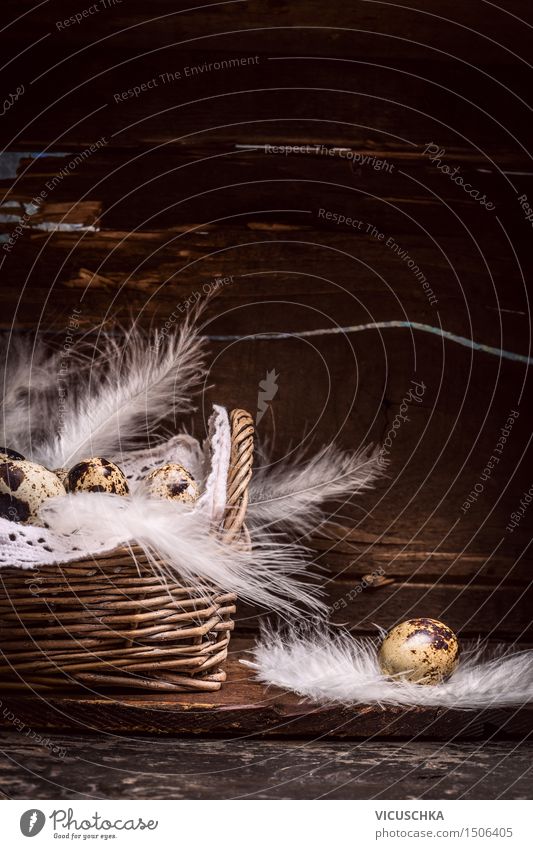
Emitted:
<point x="144" y="768"/>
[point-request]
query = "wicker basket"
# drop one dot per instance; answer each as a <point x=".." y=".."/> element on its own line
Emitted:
<point x="108" y="621"/>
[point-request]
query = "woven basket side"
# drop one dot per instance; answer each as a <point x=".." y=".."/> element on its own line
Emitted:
<point x="108" y="621"/>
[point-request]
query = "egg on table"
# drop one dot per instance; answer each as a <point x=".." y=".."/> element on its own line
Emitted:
<point x="9" y="454"/>
<point x="96" y="474"/>
<point x="424" y="651"/>
<point x="24" y="487"/>
<point x="172" y="482"/>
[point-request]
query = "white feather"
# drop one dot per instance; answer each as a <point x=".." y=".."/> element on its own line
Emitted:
<point x="292" y="494"/>
<point x="29" y="372"/>
<point x="145" y="381"/>
<point x="269" y="575"/>
<point x="341" y="669"/>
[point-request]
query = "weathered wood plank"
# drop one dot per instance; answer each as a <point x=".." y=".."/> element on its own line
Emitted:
<point x="399" y="194"/>
<point x="345" y="29"/>
<point x="348" y="269"/>
<point x="396" y="564"/>
<point x="150" y="96"/>
<point x="160" y="187"/>
<point x="110" y="767"/>
<point x="348" y="551"/>
<point x="192" y="17"/>
<point x="469" y="609"/>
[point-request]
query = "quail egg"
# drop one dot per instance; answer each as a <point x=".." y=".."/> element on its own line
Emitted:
<point x="96" y="474"/>
<point x="9" y="454"/>
<point x="62" y="474"/>
<point x="172" y="482"/>
<point x="24" y="487"/>
<point x="424" y="651"/>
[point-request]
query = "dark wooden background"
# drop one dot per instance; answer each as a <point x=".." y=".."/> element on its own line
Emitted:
<point x="176" y="195"/>
<point x="173" y="190"/>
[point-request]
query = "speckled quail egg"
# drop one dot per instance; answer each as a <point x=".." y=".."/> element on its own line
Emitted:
<point x="9" y="454"/>
<point x="24" y="487"/>
<point x="96" y="474"/>
<point x="424" y="651"/>
<point x="62" y="474"/>
<point x="173" y="482"/>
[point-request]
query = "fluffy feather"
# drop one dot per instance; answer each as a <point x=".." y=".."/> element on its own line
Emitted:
<point x="341" y="669"/>
<point x="29" y="372"/>
<point x="291" y="494"/>
<point x="145" y="381"/>
<point x="267" y="575"/>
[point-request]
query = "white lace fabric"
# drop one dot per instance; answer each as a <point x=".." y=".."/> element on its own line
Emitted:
<point x="27" y="546"/>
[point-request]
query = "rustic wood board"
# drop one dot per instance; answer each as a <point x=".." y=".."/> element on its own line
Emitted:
<point x="347" y="28"/>
<point x="125" y="47"/>
<point x="143" y="768"/>
<point x="244" y="708"/>
<point x="157" y="269"/>
<point x="472" y="610"/>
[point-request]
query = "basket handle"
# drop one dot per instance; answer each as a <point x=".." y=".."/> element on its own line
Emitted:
<point x="240" y="472"/>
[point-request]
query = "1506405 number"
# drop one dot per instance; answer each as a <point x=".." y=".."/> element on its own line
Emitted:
<point x="489" y="832"/>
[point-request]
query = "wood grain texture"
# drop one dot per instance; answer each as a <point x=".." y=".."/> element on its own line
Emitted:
<point x="478" y="609"/>
<point x="400" y="71"/>
<point x="278" y="100"/>
<point x="132" y="44"/>
<point x="353" y="25"/>
<point x="336" y="271"/>
<point x="118" y="768"/>
<point x="347" y="552"/>
<point x="395" y="185"/>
